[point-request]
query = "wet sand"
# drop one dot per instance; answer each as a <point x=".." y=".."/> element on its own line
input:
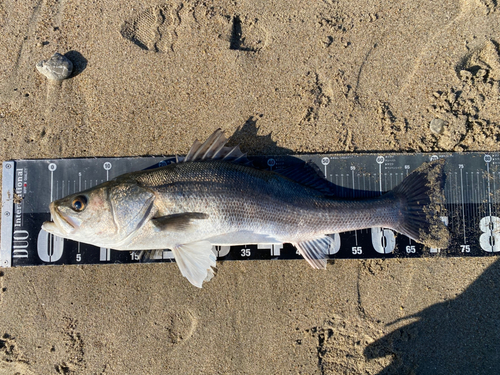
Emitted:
<point x="333" y="76"/>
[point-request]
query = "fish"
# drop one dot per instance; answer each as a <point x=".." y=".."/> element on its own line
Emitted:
<point x="214" y="196"/>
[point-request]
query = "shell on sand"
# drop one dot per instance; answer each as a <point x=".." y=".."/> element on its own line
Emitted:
<point x="57" y="68"/>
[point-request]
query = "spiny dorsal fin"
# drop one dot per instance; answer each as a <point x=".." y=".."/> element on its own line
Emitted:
<point x="214" y="149"/>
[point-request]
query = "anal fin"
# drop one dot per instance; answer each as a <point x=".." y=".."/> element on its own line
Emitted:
<point x="195" y="261"/>
<point x="314" y="251"/>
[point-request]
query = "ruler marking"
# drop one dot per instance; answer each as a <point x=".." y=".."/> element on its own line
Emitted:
<point x="355" y="232"/>
<point x="450" y="199"/>
<point x="455" y="200"/>
<point x="496" y="197"/>
<point x="380" y="176"/>
<point x="494" y="194"/>
<point x="470" y="198"/>
<point x="489" y="198"/>
<point x="51" y="187"/>
<point x="479" y="201"/>
<point x="463" y="202"/>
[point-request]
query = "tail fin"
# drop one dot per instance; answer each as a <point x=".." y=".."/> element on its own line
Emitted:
<point x="421" y="200"/>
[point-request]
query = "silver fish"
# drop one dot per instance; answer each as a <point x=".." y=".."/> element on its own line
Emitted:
<point x="214" y="198"/>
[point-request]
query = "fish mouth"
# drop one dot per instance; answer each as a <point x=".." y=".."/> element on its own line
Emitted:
<point x="61" y="225"/>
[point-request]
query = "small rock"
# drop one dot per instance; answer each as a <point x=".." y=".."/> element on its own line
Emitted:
<point x="437" y="126"/>
<point x="327" y="42"/>
<point x="57" y="68"/>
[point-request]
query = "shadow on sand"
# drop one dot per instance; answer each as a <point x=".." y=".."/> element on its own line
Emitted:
<point x="459" y="336"/>
<point x="249" y="141"/>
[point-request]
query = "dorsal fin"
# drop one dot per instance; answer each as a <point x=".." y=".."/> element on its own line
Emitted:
<point x="214" y="148"/>
<point x="308" y="174"/>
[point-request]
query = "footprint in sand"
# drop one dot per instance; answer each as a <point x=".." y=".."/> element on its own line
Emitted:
<point x="12" y="361"/>
<point x="155" y="29"/>
<point x="175" y="328"/>
<point x="152" y="29"/>
<point x="247" y="35"/>
<point x="74" y="347"/>
<point x="487" y="57"/>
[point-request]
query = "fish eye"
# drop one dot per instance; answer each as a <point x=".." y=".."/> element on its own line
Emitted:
<point x="79" y="203"/>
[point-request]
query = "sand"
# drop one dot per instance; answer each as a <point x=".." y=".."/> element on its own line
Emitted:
<point x="325" y="76"/>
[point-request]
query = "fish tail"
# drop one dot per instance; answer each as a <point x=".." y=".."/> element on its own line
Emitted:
<point x="420" y="199"/>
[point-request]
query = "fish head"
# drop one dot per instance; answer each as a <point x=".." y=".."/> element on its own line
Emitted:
<point x="102" y="216"/>
<point x="84" y="216"/>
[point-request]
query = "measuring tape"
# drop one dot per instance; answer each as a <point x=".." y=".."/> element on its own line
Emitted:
<point x="472" y="192"/>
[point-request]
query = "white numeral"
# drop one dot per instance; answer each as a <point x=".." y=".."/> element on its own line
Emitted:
<point x="245" y="252"/>
<point x="410" y="249"/>
<point x="335" y="244"/>
<point x="357" y="250"/>
<point x="490" y="239"/>
<point x="465" y="248"/>
<point x="383" y="240"/>
<point x="49" y="247"/>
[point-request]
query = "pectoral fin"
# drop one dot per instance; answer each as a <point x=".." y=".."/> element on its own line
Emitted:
<point x="178" y="222"/>
<point x="195" y="260"/>
<point x="314" y="251"/>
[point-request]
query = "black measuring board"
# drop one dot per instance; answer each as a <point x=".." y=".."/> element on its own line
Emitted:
<point x="472" y="202"/>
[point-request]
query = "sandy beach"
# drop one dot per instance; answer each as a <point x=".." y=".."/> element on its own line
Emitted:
<point x="283" y="78"/>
